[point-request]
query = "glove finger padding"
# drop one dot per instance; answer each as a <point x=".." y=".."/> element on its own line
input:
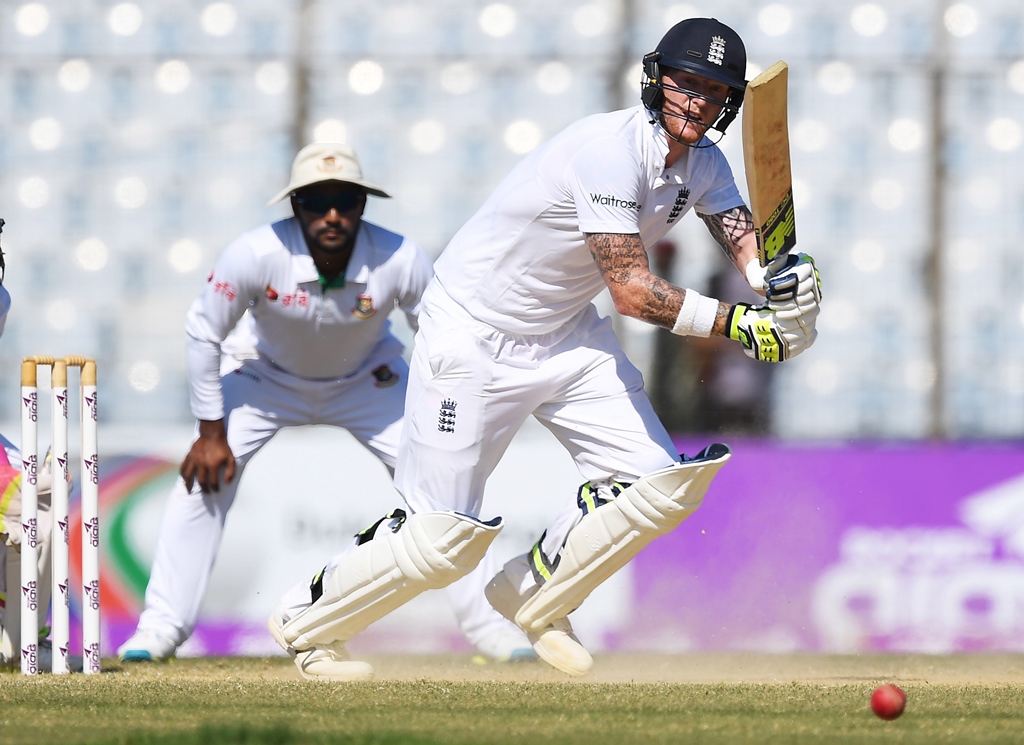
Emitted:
<point x="803" y="311"/>
<point x="794" y="293"/>
<point x="798" y="278"/>
<point x="798" y="338"/>
<point x="765" y="336"/>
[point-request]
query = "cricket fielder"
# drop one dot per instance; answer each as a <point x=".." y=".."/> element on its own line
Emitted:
<point x="508" y="330"/>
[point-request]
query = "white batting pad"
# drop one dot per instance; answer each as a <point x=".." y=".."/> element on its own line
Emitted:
<point x="607" y="538"/>
<point x="428" y="550"/>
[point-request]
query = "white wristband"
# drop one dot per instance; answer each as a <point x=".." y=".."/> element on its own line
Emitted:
<point x="697" y="316"/>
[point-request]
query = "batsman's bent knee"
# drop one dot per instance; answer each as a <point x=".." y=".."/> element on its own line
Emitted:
<point x="607" y="538"/>
<point x="391" y="565"/>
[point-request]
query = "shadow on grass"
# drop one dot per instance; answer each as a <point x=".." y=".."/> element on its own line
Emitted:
<point x="268" y="736"/>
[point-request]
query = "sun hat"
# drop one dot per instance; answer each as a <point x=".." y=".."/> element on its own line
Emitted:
<point x="326" y="161"/>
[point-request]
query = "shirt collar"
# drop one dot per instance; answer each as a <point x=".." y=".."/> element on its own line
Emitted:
<point x="658" y="142"/>
<point x="680" y="171"/>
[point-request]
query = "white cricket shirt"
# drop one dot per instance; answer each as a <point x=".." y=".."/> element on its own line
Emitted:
<point x="300" y="327"/>
<point x="521" y="263"/>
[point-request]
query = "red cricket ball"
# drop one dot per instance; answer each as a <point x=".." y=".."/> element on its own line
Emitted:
<point x="888" y="701"/>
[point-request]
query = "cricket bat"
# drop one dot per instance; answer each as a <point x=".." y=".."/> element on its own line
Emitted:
<point x="766" y="162"/>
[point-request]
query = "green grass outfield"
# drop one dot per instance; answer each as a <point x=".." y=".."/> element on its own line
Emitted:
<point x="699" y="698"/>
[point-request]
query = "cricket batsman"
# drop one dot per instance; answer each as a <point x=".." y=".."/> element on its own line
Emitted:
<point x="508" y="330"/>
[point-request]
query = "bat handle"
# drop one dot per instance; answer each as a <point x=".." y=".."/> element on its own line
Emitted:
<point x="777" y="264"/>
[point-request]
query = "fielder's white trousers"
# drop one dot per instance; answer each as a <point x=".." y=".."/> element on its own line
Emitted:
<point x="259" y="401"/>
<point x="471" y="388"/>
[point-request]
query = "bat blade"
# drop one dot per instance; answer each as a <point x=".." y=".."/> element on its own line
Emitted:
<point x="766" y="162"/>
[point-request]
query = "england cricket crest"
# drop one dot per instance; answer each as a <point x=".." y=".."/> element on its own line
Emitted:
<point x="446" y="416"/>
<point x="364" y="306"/>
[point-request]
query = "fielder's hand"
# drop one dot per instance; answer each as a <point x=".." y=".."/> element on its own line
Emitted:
<point x="209" y="458"/>
<point x="766" y="336"/>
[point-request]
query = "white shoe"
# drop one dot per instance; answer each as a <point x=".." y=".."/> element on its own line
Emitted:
<point x="146" y="646"/>
<point x="506" y="645"/>
<point x="556" y="644"/>
<point x="322" y="662"/>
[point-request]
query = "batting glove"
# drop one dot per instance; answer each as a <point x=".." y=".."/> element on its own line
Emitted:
<point x="765" y="336"/>
<point x="796" y="280"/>
<point x="794" y="292"/>
<point x="757" y="276"/>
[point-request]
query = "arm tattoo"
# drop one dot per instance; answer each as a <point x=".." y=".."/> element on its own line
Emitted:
<point x="625" y="266"/>
<point x="619" y="257"/>
<point x="728" y="227"/>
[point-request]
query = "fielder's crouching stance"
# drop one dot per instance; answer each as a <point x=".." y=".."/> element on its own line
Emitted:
<point x="508" y="330"/>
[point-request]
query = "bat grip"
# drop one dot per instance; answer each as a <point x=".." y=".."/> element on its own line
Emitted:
<point x="777" y="264"/>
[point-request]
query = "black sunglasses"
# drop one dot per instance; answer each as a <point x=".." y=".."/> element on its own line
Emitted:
<point x="321" y="204"/>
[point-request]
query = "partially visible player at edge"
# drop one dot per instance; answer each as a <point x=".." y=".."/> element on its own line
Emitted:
<point x="11" y="536"/>
<point x="319" y="287"/>
<point x="508" y="330"/>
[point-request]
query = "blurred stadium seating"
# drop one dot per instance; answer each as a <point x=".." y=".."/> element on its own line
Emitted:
<point x="137" y="138"/>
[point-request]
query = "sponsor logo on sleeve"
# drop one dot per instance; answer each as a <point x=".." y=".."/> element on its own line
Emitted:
<point x="606" y="200"/>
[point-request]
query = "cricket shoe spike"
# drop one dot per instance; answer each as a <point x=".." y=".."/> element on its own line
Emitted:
<point x="323" y="661"/>
<point x="556" y="643"/>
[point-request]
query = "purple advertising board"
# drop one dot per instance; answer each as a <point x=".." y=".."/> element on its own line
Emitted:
<point x="857" y="547"/>
<point x="909" y="547"/>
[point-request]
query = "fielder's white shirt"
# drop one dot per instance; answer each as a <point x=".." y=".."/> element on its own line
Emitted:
<point x="307" y="331"/>
<point x="521" y="263"/>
